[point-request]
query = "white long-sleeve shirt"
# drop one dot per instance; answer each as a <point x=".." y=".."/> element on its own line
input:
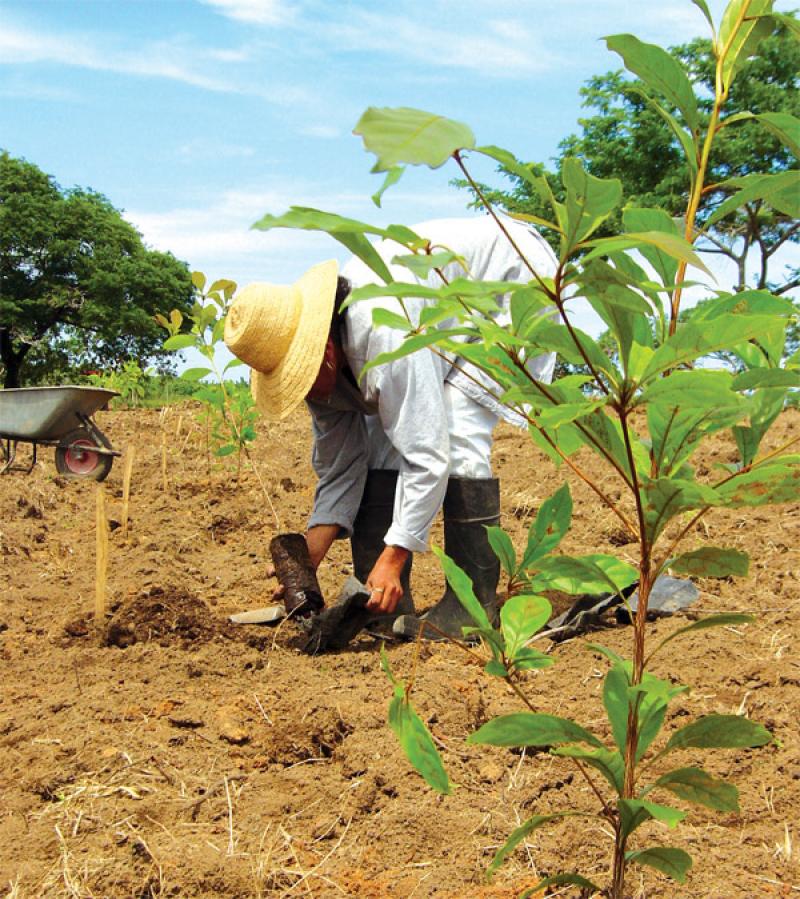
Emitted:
<point x="404" y="399"/>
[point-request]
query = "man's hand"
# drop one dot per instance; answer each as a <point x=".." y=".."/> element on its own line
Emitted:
<point x="384" y="580"/>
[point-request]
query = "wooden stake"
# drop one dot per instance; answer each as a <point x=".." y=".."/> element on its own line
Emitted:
<point x="126" y="488"/>
<point x="178" y="427"/>
<point x="101" y="530"/>
<point x="164" y="480"/>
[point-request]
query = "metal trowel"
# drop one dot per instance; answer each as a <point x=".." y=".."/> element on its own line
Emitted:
<point x="268" y="615"/>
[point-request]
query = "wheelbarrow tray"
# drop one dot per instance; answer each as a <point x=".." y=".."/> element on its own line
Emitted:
<point x="45" y="414"/>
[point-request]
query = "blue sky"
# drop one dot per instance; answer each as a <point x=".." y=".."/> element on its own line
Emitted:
<point x="198" y="116"/>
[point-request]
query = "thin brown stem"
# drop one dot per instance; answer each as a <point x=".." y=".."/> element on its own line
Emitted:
<point x="555" y="295"/>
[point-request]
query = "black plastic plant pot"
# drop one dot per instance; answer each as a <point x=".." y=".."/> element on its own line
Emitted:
<point x="301" y="593"/>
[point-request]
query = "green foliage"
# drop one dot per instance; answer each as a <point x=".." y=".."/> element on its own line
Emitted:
<point x="78" y="288"/>
<point x="228" y="413"/>
<point x="643" y="131"/>
<point x="646" y="399"/>
<point x="130" y="381"/>
<point x="413" y="735"/>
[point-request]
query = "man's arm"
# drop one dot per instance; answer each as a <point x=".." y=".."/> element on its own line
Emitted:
<point x="320" y="538"/>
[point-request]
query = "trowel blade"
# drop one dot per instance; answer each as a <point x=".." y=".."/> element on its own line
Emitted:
<point x="267" y="615"/>
<point x="352" y="592"/>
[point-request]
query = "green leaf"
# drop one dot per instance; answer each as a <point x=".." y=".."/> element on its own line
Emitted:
<point x="634" y="812"/>
<point x="726" y="619"/>
<point x="748" y="302"/>
<point x="672" y="862"/>
<point x="697" y="785"/>
<point x="594" y="573"/>
<point x="664" y="498"/>
<point x="194" y="374"/>
<point x="698" y="389"/>
<point x="649" y="220"/>
<point x="394" y="174"/>
<point x="349" y="232"/>
<point x="199" y="281"/>
<point x="772" y="482"/>
<point x="414" y="738"/>
<point x="739" y="40"/>
<point x="503" y="549"/>
<point x="539" y="184"/>
<point x="549" y="527"/>
<point x="422" y="264"/>
<point x="703" y="7"/>
<point x="590" y="200"/>
<point x="564" y="413"/>
<point x="687" y="141"/>
<point x="760" y="378"/>
<point x="719" y="732"/>
<point x="531" y="729"/>
<point x="495" y="668"/>
<point x="388" y="319"/>
<point x="527" y="659"/>
<point x="610" y="764"/>
<point x="234" y="363"/>
<point x="694" y="339"/>
<point x="789" y="22"/>
<point x="462" y="586"/>
<point x="411" y="345"/>
<point x="660" y="71"/>
<point x="767" y="404"/>
<point x="520" y="833"/>
<point x="785" y="127"/>
<point x="408" y="136"/>
<point x="617" y="703"/>
<point x="179" y="342"/>
<point x="675" y="433"/>
<point x="558" y="880"/>
<point x="225" y="285"/>
<point x="520" y="618"/>
<point x="556" y="338"/>
<point x="712" y="561"/>
<point x="226" y="450"/>
<point x="781" y="191"/>
<point x="671" y="244"/>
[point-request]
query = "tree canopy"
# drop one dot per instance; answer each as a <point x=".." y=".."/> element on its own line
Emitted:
<point x="627" y="139"/>
<point x="78" y="287"/>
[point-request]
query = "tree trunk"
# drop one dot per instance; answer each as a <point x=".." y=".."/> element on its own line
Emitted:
<point x="11" y="360"/>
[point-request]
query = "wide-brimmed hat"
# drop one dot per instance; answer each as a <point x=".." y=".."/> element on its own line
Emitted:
<point x="280" y="331"/>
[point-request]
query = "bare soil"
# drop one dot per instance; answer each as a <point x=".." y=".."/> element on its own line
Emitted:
<point x="166" y="752"/>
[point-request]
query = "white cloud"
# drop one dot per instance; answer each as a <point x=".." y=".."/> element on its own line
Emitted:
<point x="513" y="51"/>
<point x="326" y="132"/>
<point x="172" y="60"/>
<point x="217" y="238"/>
<point x="203" y="148"/>
<point x="257" y="12"/>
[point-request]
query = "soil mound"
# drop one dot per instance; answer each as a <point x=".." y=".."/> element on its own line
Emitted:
<point x="168" y="617"/>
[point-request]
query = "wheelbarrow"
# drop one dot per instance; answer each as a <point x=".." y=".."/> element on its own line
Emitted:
<point x="59" y="417"/>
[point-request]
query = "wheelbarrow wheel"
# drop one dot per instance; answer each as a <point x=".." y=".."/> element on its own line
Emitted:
<point x="77" y="457"/>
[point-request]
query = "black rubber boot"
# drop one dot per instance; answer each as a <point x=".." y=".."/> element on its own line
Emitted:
<point x="470" y="504"/>
<point x="372" y="522"/>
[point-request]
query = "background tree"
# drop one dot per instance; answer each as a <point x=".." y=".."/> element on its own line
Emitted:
<point x="78" y="288"/>
<point x="628" y="139"/>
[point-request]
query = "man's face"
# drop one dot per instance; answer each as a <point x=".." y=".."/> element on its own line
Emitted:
<point x="331" y="365"/>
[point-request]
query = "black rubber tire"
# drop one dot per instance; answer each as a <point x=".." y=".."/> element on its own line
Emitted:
<point x="74" y="463"/>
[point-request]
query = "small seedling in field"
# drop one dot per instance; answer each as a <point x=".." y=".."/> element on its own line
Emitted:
<point x="644" y="407"/>
<point x="228" y="415"/>
<point x="129" y="380"/>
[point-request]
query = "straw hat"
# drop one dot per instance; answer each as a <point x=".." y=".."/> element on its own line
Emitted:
<point x="280" y="332"/>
